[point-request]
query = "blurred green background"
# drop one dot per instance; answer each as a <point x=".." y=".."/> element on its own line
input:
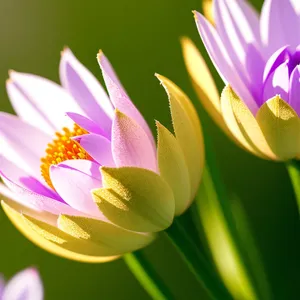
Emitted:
<point x="140" y="38"/>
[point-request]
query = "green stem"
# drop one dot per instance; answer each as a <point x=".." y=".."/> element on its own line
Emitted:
<point x="215" y="210"/>
<point x="196" y="262"/>
<point x="147" y="277"/>
<point x="293" y="168"/>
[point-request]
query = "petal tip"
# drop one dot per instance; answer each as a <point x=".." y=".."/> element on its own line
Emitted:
<point x="104" y="169"/>
<point x="53" y="168"/>
<point x="11" y="72"/>
<point x="196" y="14"/>
<point x="160" y="77"/>
<point x="100" y="55"/>
<point x="65" y="51"/>
<point x="119" y="114"/>
<point x="33" y="271"/>
<point x="8" y="81"/>
<point x="184" y="40"/>
<point x="157" y="123"/>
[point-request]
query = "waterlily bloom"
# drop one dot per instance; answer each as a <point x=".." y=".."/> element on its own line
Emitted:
<point x="26" y="285"/>
<point x="258" y="59"/>
<point x="83" y="178"/>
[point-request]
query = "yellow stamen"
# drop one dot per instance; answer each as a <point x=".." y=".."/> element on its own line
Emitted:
<point x="62" y="148"/>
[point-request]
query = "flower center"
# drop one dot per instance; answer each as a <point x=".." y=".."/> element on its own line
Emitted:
<point x="62" y="148"/>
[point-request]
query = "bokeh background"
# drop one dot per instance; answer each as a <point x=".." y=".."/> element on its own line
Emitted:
<point x="140" y="38"/>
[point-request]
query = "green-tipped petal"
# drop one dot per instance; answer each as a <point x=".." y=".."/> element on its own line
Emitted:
<point x="187" y="130"/>
<point x="135" y="199"/>
<point x="173" y="168"/>
<point x="104" y="234"/>
<point x="281" y="127"/>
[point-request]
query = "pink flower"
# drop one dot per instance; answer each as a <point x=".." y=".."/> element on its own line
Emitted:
<point x="257" y="57"/>
<point x="26" y="285"/>
<point x="100" y="188"/>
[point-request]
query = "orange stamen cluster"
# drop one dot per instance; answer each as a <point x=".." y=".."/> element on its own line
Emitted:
<point x="62" y="148"/>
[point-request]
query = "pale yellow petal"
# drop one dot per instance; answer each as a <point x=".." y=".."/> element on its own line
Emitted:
<point x="203" y="82"/>
<point x="39" y="215"/>
<point x="104" y="234"/>
<point x="281" y="127"/>
<point x="243" y="125"/>
<point x="135" y="199"/>
<point x="187" y="130"/>
<point x="207" y="6"/>
<point x="45" y="239"/>
<point x="173" y="168"/>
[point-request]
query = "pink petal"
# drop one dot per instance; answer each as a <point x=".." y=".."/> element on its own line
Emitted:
<point x="26" y="285"/>
<point x="255" y="69"/>
<point x="37" y="203"/>
<point x="99" y="148"/>
<point x="27" y="203"/>
<point x="279" y="23"/>
<point x="246" y="19"/>
<point x="131" y="145"/>
<point x="119" y="97"/>
<point x="214" y="47"/>
<point x="296" y="5"/>
<point x="85" y="166"/>
<point x="278" y="83"/>
<point x="86" y="90"/>
<point x="26" y="109"/>
<point x="2" y="284"/>
<point x="75" y="187"/>
<point x="87" y="124"/>
<point x="22" y="143"/>
<point x="235" y="30"/>
<point x="277" y="58"/>
<point x="294" y="94"/>
<point x="20" y="177"/>
<point x="221" y="59"/>
<point x="5" y="191"/>
<point x="18" y="193"/>
<point x="41" y="97"/>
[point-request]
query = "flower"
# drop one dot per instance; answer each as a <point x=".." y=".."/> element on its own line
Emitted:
<point x="25" y="285"/>
<point x="98" y="187"/>
<point x="259" y="61"/>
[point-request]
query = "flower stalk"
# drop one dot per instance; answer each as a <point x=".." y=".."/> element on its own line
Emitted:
<point x="228" y="236"/>
<point x="196" y="261"/>
<point x="146" y="276"/>
<point x="293" y="168"/>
